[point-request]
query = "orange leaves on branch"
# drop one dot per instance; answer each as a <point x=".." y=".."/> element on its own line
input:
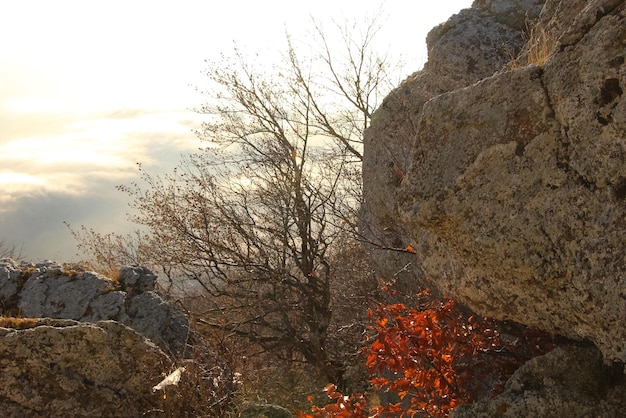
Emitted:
<point x="354" y="406"/>
<point x="424" y="353"/>
<point x="430" y="358"/>
<point x="425" y="356"/>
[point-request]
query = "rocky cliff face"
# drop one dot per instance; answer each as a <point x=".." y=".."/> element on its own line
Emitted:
<point x="50" y="290"/>
<point x="508" y="179"/>
<point x="469" y="47"/>
<point x="84" y="345"/>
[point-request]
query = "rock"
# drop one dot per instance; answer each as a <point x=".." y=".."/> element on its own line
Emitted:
<point x="152" y="316"/>
<point x="10" y="283"/>
<point x="137" y="279"/>
<point x="513" y="196"/>
<point x="61" y="368"/>
<point x="471" y="46"/>
<point x="50" y="290"/>
<point x="257" y="410"/>
<point x="567" y="382"/>
<point x="512" y="189"/>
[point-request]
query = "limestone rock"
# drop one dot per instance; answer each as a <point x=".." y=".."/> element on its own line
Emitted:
<point x="137" y="279"/>
<point x="472" y="45"/>
<point x="61" y="368"/>
<point x="152" y="316"/>
<point x="10" y="282"/>
<point x="510" y="181"/>
<point x="515" y="191"/>
<point x="567" y="382"/>
<point x="51" y="290"/>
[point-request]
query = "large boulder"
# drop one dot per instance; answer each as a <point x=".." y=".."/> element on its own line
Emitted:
<point x="567" y="382"/>
<point x="510" y="188"/>
<point x="63" y="368"/>
<point x="515" y="193"/>
<point x="109" y="358"/>
<point x="470" y="46"/>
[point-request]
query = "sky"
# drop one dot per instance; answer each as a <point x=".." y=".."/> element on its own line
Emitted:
<point x="88" y="89"/>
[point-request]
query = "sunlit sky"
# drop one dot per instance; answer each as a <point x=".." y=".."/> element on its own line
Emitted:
<point x="90" y="88"/>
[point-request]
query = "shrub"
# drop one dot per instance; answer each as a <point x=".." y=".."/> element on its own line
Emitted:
<point x="427" y="361"/>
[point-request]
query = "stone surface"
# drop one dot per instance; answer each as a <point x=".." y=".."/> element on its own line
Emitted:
<point x="137" y="279"/>
<point x="62" y="368"/>
<point x="51" y="290"/>
<point x="567" y="382"/>
<point x="513" y="189"/>
<point x="152" y="316"/>
<point x="470" y="46"/>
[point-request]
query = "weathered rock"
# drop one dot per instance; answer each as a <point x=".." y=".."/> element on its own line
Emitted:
<point x="512" y="190"/>
<point x="567" y="382"/>
<point x="515" y="192"/>
<point x="137" y="279"/>
<point x="472" y="45"/>
<point x="50" y="290"/>
<point x="10" y="283"/>
<point x="62" y="368"/>
<point x="152" y="316"/>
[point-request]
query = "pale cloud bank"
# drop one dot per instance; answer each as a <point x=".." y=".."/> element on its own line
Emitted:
<point x="89" y="89"/>
<point x="90" y="150"/>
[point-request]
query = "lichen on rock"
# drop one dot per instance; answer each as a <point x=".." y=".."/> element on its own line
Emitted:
<point x="512" y="191"/>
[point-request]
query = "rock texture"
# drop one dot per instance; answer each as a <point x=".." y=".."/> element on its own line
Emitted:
<point x="511" y="187"/>
<point x="49" y="290"/>
<point x="567" y="382"/>
<point x="94" y="364"/>
<point x="470" y="46"/>
<point x="63" y="368"/>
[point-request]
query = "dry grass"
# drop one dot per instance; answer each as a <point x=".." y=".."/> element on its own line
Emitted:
<point x="539" y="47"/>
<point x="17" y="322"/>
<point x="112" y="273"/>
<point x="206" y="388"/>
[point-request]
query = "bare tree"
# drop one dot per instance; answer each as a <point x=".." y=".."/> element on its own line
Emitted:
<point x="109" y="251"/>
<point x="10" y="251"/>
<point x="258" y="218"/>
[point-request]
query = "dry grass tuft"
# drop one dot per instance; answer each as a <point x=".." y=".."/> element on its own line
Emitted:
<point x="112" y="273"/>
<point x="539" y="47"/>
<point x="18" y="323"/>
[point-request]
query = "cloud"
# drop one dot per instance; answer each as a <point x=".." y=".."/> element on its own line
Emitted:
<point x="84" y="152"/>
<point x="35" y="222"/>
<point x="67" y="167"/>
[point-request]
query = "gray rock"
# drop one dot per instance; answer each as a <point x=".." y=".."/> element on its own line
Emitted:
<point x="61" y="294"/>
<point x="515" y="193"/>
<point x="10" y="283"/>
<point x="137" y="279"/>
<point x="150" y="315"/>
<point x="511" y="190"/>
<point x="510" y="186"/>
<point x="567" y="382"/>
<point x="470" y="46"/>
<point x="61" y="368"/>
<point x="50" y="290"/>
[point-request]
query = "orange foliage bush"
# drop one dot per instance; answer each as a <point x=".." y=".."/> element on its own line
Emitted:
<point x="430" y="360"/>
<point x="426" y="357"/>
